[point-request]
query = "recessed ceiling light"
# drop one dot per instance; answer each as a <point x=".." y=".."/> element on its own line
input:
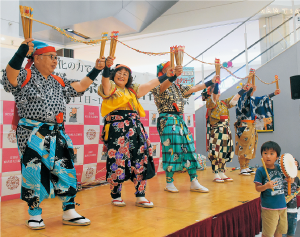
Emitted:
<point x="77" y="33"/>
<point x="264" y="26"/>
<point x="2" y="38"/>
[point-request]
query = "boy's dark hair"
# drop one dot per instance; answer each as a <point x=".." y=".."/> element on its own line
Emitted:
<point x="297" y="164"/>
<point x="130" y="78"/>
<point x="270" y="145"/>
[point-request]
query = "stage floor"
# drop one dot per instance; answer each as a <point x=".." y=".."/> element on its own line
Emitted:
<point x="172" y="211"/>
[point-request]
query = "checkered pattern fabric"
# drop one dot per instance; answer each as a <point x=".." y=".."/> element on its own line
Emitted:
<point x="220" y="146"/>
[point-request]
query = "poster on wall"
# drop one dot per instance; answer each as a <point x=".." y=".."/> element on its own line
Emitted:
<point x="265" y="124"/>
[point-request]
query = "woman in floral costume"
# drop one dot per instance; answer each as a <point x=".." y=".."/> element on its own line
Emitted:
<point x="126" y="144"/>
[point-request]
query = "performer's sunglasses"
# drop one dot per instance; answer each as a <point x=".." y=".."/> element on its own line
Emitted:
<point x="53" y="57"/>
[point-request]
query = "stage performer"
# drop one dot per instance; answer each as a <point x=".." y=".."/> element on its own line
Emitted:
<point x="126" y="143"/>
<point x="45" y="149"/>
<point x="248" y="109"/>
<point x="178" y="146"/>
<point x="220" y="144"/>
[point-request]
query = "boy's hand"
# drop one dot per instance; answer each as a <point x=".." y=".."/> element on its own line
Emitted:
<point x="271" y="184"/>
<point x="292" y="180"/>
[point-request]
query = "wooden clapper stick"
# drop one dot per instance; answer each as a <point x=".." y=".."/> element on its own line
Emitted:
<point x="262" y="160"/>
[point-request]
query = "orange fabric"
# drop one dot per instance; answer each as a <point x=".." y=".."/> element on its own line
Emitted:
<point x="44" y="50"/>
<point x="122" y="65"/>
<point x="27" y="77"/>
<point x="59" y="117"/>
<point x="223" y="117"/>
<point x="164" y="67"/>
<point x="176" y="107"/>
<point x="248" y="121"/>
<point x="132" y="90"/>
<point x="57" y="78"/>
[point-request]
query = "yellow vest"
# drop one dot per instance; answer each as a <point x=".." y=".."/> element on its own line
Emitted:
<point x="118" y="98"/>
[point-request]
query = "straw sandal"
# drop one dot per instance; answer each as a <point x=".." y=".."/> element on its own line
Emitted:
<point x="228" y="179"/>
<point x="35" y="227"/>
<point x="172" y="191"/>
<point x="73" y="221"/>
<point x="118" y="203"/>
<point x="218" y="180"/>
<point x="143" y="204"/>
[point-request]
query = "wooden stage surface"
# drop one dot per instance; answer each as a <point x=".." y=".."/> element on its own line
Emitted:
<point x="172" y="211"/>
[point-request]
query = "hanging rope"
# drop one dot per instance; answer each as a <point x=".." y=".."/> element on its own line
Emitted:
<point x="265" y="82"/>
<point x="97" y="41"/>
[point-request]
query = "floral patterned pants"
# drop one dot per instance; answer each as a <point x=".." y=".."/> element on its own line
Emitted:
<point x="128" y="152"/>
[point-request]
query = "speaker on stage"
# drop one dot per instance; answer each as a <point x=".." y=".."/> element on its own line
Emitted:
<point x="295" y="87"/>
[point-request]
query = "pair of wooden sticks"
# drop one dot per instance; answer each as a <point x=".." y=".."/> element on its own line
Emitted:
<point x="113" y="43"/>
<point x="176" y="52"/>
<point x="26" y="22"/>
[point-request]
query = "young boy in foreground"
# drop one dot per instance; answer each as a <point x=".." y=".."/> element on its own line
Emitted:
<point x="273" y="213"/>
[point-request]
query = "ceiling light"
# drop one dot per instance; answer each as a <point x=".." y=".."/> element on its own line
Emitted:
<point x="2" y="38"/>
<point x="264" y="26"/>
<point x="77" y="33"/>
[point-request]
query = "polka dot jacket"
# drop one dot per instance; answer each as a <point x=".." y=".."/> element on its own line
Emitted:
<point x="40" y="99"/>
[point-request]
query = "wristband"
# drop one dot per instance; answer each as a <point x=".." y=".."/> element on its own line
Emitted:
<point x="250" y="91"/>
<point x="106" y="72"/>
<point x="241" y="92"/>
<point x="163" y="78"/>
<point x="93" y="74"/>
<point x="173" y="78"/>
<point x="208" y="83"/>
<point x="216" y="89"/>
<point x="17" y="60"/>
<point x="272" y="95"/>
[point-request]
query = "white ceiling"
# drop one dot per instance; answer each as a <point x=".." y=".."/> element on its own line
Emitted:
<point x="194" y="24"/>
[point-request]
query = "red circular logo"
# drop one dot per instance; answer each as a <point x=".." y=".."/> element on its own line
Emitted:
<point x="12" y="182"/>
<point x="89" y="173"/>
<point x="91" y="134"/>
<point x="12" y="136"/>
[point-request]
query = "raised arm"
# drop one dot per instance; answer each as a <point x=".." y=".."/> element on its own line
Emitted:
<point x="166" y="84"/>
<point x="82" y="85"/>
<point x="146" y="87"/>
<point x="201" y="86"/>
<point x="277" y="92"/>
<point x="105" y="76"/>
<point x="215" y="95"/>
<point x="245" y="88"/>
<point x="14" y="65"/>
